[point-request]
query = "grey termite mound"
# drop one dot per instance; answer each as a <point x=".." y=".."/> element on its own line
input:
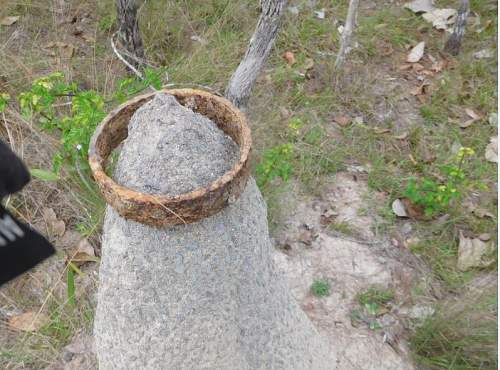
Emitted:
<point x="205" y="295"/>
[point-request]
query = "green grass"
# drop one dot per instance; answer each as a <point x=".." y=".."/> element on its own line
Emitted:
<point x="460" y="336"/>
<point x="320" y="288"/>
<point x="375" y="295"/>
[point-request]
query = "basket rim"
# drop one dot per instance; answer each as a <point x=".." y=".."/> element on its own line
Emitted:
<point x="125" y="194"/>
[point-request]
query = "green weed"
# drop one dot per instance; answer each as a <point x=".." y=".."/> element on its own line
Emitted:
<point x="320" y="288"/>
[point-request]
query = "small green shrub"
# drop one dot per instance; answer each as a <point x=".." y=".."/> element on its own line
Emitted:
<point x="79" y="114"/>
<point x="320" y="288"/>
<point x="375" y="295"/>
<point x="276" y="162"/>
<point x="433" y="196"/>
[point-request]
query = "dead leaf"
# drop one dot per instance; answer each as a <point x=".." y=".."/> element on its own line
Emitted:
<point x="358" y="120"/>
<point x="309" y="64"/>
<point x="491" y="152"/>
<point x="320" y="14"/>
<point x="67" y="51"/>
<point x="414" y="211"/>
<point x="405" y="67"/>
<point x="439" y="66"/>
<point x="484" y="237"/>
<point x="472" y="114"/>
<point x="28" y="321"/>
<point x="472" y="253"/>
<point x="327" y="217"/>
<point x="420" y="6"/>
<point x="484" y="54"/>
<point x="58" y="228"/>
<point x="197" y="38"/>
<point x="419" y="90"/>
<point x="380" y="130"/>
<point x="398" y="208"/>
<point x="306" y="237"/>
<point x="417" y="67"/>
<point x="481" y="212"/>
<point x="49" y="215"/>
<point x="289" y="57"/>
<point x="403" y="136"/>
<point x="441" y="19"/>
<point x="55" y="227"/>
<point x="342" y="120"/>
<point x="9" y="21"/>
<point x="416" y="53"/>
<point x="84" y="253"/>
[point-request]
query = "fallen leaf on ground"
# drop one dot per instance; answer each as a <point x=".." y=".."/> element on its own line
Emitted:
<point x="471" y="253"/>
<point x="309" y="63"/>
<point x="28" y="321"/>
<point x="398" y="208"/>
<point x="327" y="217"/>
<point x="419" y="90"/>
<point x="484" y="237"/>
<point x="416" y="53"/>
<point x="289" y="57"/>
<point x="358" y="120"/>
<point x="293" y="9"/>
<point x="491" y="152"/>
<point x="342" y="120"/>
<point x="481" y="212"/>
<point x="380" y="130"/>
<point x="403" y="136"/>
<point x="439" y="65"/>
<point x="9" y="21"/>
<point x="306" y="237"/>
<point x="66" y="51"/>
<point x="199" y="39"/>
<point x="320" y="14"/>
<point x="493" y="119"/>
<point x="441" y="19"/>
<point x="414" y="211"/>
<point x="417" y="67"/>
<point x="484" y="54"/>
<point x="56" y="227"/>
<point x="420" y="6"/>
<point x="84" y="253"/>
<point x="472" y="114"/>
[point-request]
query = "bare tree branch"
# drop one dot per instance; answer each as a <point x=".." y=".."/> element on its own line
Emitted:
<point x="350" y="24"/>
<point x="454" y="42"/>
<point x="241" y="83"/>
<point x="129" y="34"/>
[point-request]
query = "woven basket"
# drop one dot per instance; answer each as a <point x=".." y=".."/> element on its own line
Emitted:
<point x="161" y="210"/>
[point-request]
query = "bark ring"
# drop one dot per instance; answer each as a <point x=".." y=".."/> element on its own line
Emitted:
<point x="161" y="210"/>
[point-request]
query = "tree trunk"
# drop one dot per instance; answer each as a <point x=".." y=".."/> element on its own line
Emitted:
<point x="129" y="34"/>
<point x="454" y="42"/>
<point x="241" y="83"/>
<point x="350" y="23"/>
